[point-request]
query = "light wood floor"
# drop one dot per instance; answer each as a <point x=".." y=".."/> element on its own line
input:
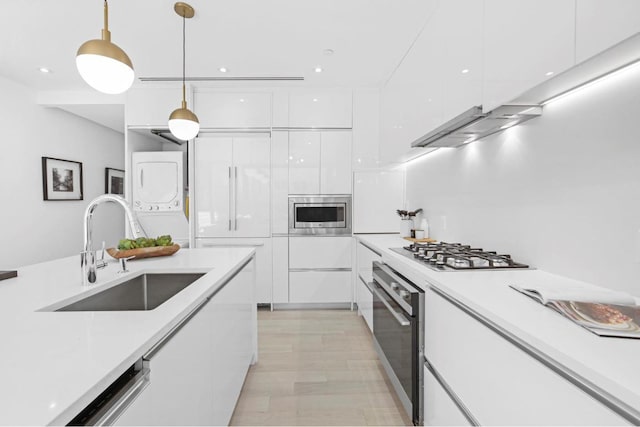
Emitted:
<point x="316" y="367"/>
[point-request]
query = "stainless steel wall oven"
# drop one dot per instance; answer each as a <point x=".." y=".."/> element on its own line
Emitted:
<point x="317" y="214"/>
<point x="398" y="329"/>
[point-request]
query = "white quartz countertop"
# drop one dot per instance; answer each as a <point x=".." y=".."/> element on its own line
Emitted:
<point x="52" y="364"/>
<point x="611" y="364"/>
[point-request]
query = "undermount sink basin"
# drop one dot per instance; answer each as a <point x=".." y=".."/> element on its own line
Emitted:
<point x="144" y="292"/>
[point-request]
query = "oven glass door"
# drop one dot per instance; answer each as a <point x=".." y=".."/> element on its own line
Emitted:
<point x="394" y="332"/>
<point x="320" y="215"/>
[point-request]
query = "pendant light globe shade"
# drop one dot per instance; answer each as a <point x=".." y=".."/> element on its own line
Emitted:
<point x="183" y="124"/>
<point x="105" y="67"/>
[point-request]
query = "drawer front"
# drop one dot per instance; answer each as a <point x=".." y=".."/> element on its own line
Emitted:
<point x="365" y="261"/>
<point x="319" y="252"/>
<point x="320" y="286"/>
<point x="498" y="382"/>
<point x="439" y="407"/>
<point x="364" y="298"/>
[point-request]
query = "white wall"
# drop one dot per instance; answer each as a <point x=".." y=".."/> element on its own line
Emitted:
<point x="561" y="192"/>
<point x="33" y="230"/>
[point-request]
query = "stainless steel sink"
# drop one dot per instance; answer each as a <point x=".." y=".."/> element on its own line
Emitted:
<point x="144" y="292"/>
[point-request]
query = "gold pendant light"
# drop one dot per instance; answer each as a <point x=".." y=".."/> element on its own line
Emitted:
<point x="183" y="123"/>
<point x="103" y="65"/>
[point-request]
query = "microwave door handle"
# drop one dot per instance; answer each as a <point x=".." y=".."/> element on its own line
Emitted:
<point x="399" y="317"/>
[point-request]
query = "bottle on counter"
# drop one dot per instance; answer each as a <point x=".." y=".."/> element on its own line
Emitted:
<point x="424" y="226"/>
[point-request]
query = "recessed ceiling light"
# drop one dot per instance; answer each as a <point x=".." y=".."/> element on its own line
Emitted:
<point x="465" y="71"/>
<point x="222" y="69"/>
<point x="318" y="70"/>
<point x="315" y="99"/>
<point x="241" y="100"/>
<point x="549" y="73"/>
<point x="44" y="70"/>
<point x="328" y="52"/>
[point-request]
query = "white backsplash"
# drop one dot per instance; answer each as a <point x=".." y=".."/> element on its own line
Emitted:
<point x="561" y="192"/>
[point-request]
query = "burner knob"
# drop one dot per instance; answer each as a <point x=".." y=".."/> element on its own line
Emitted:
<point x="404" y="294"/>
<point x="394" y="286"/>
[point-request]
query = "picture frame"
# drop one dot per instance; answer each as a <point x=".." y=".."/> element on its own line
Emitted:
<point x="61" y="179"/>
<point x="114" y="181"/>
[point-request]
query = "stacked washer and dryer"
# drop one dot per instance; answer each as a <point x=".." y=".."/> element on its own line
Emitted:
<point x="158" y="194"/>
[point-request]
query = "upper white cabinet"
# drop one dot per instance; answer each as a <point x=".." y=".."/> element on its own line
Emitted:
<point x="320" y="109"/>
<point x="233" y="110"/>
<point x="601" y="24"/>
<point x="320" y="162"/>
<point x="232" y="186"/>
<point x="152" y="106"/>
<point x="304" y="162"/>
<point x="366" y="128"/>
<point x="524" y="41"/>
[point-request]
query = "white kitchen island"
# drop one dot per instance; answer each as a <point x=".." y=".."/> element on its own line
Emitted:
<point x="54" y="364"/>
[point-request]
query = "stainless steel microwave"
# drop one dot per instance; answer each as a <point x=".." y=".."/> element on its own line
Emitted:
<point x="321" y="215"/>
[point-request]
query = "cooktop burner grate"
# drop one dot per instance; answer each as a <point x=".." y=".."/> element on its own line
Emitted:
<point x="444" y="256"/>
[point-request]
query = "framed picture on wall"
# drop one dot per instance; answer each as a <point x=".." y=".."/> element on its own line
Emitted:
<point x="61" y="179"/>
<point x="114" y="181"/>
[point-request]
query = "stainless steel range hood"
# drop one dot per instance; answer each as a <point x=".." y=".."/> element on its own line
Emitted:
<point x="473" y="124"/>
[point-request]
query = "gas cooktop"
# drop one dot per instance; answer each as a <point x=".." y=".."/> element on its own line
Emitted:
<point x="443" y="256"/>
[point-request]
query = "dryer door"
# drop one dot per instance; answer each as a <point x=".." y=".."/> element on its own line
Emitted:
<point x="157" y="181"/>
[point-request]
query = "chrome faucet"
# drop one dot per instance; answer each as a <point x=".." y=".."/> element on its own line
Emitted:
<point x="88" y="255"/>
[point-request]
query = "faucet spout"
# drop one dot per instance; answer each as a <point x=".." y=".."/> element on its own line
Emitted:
<point x="88" y="256"/>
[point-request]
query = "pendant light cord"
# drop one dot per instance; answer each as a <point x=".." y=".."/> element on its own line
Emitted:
<point x="184" y="98"/>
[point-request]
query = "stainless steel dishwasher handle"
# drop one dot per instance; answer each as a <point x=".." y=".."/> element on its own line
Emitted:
<point x="124" y="398"/>
<point x="399" y="317"/>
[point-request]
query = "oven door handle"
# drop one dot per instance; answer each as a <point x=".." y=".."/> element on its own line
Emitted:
<point x="399" y="317"/>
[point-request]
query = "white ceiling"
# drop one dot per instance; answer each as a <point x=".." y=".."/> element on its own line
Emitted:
<point x="249" y="37"/>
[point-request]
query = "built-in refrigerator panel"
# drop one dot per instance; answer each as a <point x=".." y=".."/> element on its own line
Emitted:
<point x="376" y="196"/>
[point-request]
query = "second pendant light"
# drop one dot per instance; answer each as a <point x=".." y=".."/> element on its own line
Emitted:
<point x="183" y="123"/>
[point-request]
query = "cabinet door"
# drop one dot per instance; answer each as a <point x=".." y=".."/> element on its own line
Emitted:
<point x="439" y="408"/>
<point x="213" y="171"/>
<point x="335" y="163"/>
<point x="304" y="163"/>
<point x="364" y="298"/>
<point x="319" y="252"/>
<point x="320" y="287"/>
<point x="523" y="41"/>
<point x="601" y="24"/>
<point x="280" y="182"/>
<point x="233" y="313"/>
<point x="320" y="109"/>
<point x="280" y="269"/>
<point x="252" y="187"/>
<point x="233" y="110"/>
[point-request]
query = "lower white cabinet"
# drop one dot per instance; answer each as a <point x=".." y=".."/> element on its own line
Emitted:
<point x="263" y="261"/>
<point x="320" y="287"/>
<point x="364" y="298"/>
<point x="439" y="408"/>
<point x="196" y="375"/>
<point x="280" y="269"/>
<point x="499" y="383"/>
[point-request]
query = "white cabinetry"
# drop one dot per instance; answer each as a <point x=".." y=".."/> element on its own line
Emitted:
<point x="320" y="109"/>
<point x="263" y="261"/>
<point x="232" y="186"/>
<point x="469" y="356"/>
<point x="523" y="41"/>
<point x="320" y="269"/>
<point x="364" y="262"/>
<point x="280" y="269"/>
<point x="152" y="106"/>
<point x="601" y="24"/>
<point x="320" y="162"/>
<point x="439" y="408"/>
<point x="197" y="374"/>
<point x="279" y="182"/>
<point x="233" y="110"/>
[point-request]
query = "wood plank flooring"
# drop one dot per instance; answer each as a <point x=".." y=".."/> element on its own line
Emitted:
<point x="316" y="367"/>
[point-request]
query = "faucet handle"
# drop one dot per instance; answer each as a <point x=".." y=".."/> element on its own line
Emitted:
<point x="123" y="264"/>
